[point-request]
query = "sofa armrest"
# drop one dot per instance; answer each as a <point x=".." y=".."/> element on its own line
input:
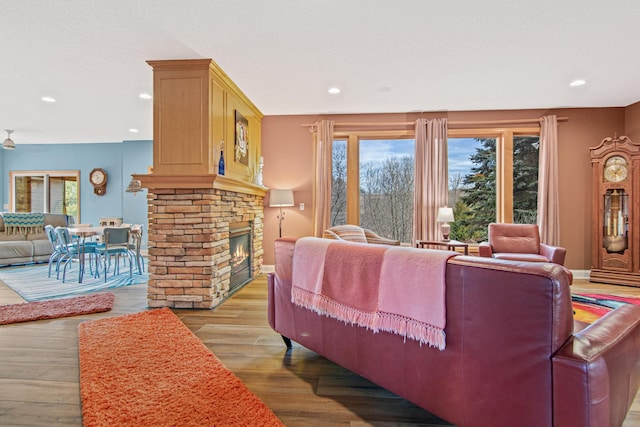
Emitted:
<point x="271" y="307"/>
<point x="555" y="254"/>
<point x="596" y="374"/>
<point x="485" y="250"/>
<point x="328" y="234"/>
<point x="376" y="238"/>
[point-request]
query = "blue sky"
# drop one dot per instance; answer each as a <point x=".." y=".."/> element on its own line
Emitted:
<point x="459" y="151"/>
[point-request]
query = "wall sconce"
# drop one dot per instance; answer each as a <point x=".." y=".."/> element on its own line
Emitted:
<point x="445" y="216"/>
<point x="134" y="186"/>
<point x="280" y="199"/>
<point x="8" y="143"/>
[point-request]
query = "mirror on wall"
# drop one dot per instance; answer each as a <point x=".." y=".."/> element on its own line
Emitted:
<point x="49" y="191"/>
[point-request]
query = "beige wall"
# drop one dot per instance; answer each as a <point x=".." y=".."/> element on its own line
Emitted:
<point x="632" y="122"/>
<point x="288" y="163"/>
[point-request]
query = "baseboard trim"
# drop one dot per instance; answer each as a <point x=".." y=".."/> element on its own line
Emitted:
<point x="581" y="274"/>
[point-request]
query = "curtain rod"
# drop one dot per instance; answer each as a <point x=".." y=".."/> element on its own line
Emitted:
<point x="452" y="123"/>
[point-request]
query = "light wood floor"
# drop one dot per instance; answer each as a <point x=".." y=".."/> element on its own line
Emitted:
<point x="39" y="366"/>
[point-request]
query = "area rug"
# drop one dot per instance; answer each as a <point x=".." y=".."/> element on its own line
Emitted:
<point x="588" y="308"/>
<point x="32" y="284"/>
<point x="149" y="369"/>
<point x="53" y="309"/>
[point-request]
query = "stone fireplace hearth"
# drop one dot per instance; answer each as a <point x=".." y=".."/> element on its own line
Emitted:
<point x="189" y="244"/>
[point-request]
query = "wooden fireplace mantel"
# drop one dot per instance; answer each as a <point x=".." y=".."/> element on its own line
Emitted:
<point x="219" y="182"/>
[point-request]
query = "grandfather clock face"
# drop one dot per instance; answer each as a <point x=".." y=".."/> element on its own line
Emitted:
<point x="615" y="169"/>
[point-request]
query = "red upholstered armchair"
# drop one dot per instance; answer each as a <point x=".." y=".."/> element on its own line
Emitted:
<point x="353" y="233"/>
<point x="519" y="242"/>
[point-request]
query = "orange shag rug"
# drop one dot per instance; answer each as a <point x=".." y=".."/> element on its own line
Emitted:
<point x="53" y="309"/>
<point x="149" y="369"/>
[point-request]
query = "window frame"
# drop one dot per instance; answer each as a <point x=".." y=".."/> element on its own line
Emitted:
<point x="353" y="163"/>
<point x="504" y="162"/>
<point x="46" y="175"/>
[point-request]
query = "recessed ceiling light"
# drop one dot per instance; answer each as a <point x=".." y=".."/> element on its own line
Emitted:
<point x="145" y="96"/>
<point x="48" y="99"/>
<point x="334" y="90"/>
<point x="578" y="82"/>
<point x="133" y="130"/>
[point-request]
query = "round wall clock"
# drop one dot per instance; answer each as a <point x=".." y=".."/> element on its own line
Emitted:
<point x="98" y="178"/>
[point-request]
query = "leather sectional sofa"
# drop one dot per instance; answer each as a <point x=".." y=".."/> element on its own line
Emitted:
<point x="512" y="357"/>
<point x="20" y="248"/>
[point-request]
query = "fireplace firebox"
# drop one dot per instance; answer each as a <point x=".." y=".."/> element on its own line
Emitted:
<point x="240" y="249"/>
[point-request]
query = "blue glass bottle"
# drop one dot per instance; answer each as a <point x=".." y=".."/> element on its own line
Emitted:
<point x="221" y="163"/>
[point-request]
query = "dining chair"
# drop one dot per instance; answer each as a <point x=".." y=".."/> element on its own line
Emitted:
<point x="116" y="243"/>
<point x="69" y="251"/>
<point x="135" y="246"/>
<point x="55" y="246"/>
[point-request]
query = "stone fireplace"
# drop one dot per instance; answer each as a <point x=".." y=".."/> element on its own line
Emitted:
<point x="194" y="236"/>
<point x="205" y="180"/>
<point x="241" y="254"/>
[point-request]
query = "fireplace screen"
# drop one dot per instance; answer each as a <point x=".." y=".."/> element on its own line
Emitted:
<point x="240" y="251"/>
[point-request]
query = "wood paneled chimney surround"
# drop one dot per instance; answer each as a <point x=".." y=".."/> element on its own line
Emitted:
<point x="195" y="112"/>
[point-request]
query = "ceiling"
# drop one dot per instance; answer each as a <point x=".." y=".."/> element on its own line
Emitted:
<point x="385" y="56"/>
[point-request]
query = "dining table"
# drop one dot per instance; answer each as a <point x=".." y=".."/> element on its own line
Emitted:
<point x="88" y="231"/>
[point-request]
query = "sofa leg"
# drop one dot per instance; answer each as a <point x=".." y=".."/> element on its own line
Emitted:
<point x="287" y="341"/>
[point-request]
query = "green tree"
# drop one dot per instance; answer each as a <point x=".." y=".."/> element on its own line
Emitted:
<point x="525" y="179"/>
<point x="475" y="207"/>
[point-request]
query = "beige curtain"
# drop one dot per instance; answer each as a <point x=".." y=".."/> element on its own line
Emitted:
<point x="548" y="196"/>
<point x="322" y="177"/>
<point x="430" y="179"/>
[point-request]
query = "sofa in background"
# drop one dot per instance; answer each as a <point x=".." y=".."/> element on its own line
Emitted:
<point x="354" y="233"/>
<point x="512" y="357"/>
<point x="26" y="248"/>
<point x="519" y="242"/>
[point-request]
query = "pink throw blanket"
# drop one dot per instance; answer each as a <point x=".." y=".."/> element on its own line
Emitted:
<point x="383" y="288"/>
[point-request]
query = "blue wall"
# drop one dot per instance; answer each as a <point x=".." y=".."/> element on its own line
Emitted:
<point x="119" y="160"/>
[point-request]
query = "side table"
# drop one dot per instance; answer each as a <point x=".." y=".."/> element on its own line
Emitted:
<point x="449" y="244"/>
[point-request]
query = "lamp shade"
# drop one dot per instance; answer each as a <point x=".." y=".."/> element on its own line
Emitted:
<point x="280" y="198"/>
<point x="8" y="143"/>
<point x="445" y="214"/>
<point x="134" y="186"/>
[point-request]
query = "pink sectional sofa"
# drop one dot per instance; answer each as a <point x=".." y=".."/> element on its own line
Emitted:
<point x="512" y="357"/>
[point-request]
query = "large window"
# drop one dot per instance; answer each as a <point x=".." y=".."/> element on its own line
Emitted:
<point x="493" y="176"/>
<point x="45" y="191"/>
<point x="372" y="183"/>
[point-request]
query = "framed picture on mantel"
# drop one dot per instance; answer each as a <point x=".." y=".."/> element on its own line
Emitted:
<point x="241" y="148"/>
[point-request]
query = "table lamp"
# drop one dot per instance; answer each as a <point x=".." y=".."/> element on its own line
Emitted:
<point x="280" y="199"/>
<point x="445" y="216"/>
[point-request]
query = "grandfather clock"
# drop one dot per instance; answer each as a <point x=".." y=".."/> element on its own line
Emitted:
<point x="615" y="165"/>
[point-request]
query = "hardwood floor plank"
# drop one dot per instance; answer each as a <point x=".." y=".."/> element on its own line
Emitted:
<point x="39" y="391"/>
<point x="30" y="414"/>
